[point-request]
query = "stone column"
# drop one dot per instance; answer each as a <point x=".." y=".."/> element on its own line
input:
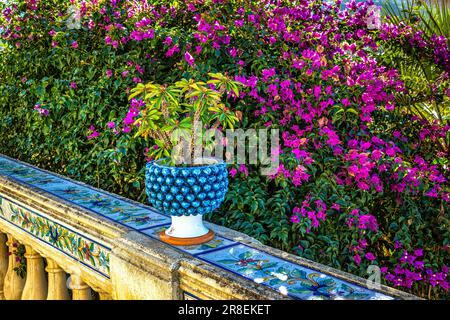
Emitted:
<point x="14" y="283"/>
<point x="80" y="290"/>
<point x="36" y="283"/>
<point x="3" y="263"/>
<point x="57" y="282"/>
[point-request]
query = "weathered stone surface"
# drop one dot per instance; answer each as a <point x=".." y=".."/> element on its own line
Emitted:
<point x="144" y="268"/>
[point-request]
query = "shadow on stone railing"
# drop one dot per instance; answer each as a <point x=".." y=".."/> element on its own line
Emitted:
<point x="95" y="244"/>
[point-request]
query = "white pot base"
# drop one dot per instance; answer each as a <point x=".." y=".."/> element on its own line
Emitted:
<point x="187" y="230"/>
<point x="187" y="227"/>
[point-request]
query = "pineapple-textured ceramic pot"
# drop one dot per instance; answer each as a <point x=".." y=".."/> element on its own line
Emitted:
<point x="186" y="194"/>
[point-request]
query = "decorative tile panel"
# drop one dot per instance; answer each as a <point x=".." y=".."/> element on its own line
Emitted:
<point x="286" y="277"/>
<point x="281" y="275"/>
<point x="126" y="213"/>
<point x="87" y="251"/>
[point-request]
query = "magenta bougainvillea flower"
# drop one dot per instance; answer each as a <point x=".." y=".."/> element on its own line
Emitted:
<point x="42" y="111"/>
<point x="189" y="58"/>
<point x="92" y="133"/>
<point x="370" y="256"/>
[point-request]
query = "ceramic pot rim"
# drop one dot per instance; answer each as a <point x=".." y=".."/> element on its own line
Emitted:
<point x="217" y="162"/>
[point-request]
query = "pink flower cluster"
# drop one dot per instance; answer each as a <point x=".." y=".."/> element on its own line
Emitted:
<point x="92" y="133"/>
<point x="359" y="250"/>
<point x="362" y="221"/>
<point x="311" y="212"/>
<point x="42" y="111"/>
<point x="133" y="112"/>
<point x="242" y="169"/>
<point x="410" y="269"/>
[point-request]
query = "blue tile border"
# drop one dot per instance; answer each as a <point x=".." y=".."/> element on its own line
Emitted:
<point x="301" y="282"/>
<point x="2" y="157"/>
<point x="188" y="295"/>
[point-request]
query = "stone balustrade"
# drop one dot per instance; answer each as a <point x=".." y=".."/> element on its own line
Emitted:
<point x="83" y="243"/>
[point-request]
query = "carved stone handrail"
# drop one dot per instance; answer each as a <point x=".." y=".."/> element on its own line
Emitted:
<point x="109" y="244"/>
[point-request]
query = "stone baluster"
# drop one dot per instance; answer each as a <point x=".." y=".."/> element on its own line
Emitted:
<point x="80" y="290"/>
<point x="36" y="283"/>
<point x="14" y="283"/>
<point x="3" y="263"/>
<point x="57" y="282"/>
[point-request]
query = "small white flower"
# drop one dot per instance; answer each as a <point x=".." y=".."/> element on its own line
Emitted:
<point x="283" y="290"/>
<point x="74" y="20"/>
<point x="259" y="280"/>
<point x="373" y="18"/>
<point x="281" y="276"/>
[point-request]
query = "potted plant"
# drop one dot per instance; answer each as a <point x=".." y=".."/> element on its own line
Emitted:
<point x="179" y="180"/>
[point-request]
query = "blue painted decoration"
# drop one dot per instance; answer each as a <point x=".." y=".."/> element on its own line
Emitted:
<point x="179" y="191"/>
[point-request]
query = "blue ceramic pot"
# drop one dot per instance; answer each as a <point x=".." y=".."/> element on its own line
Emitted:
<point x="186" y="191"/>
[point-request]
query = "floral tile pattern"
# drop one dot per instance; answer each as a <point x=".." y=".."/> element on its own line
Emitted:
<point x="83" y="249"/>
<point x="214" y="244"/>
<point x="284" y="276"/>
<point x="126" y="213"/>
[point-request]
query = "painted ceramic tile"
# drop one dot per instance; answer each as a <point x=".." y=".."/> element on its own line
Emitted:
<point x="28" y="175"/>
<point x="87" y="251"/>
<point x="9" y="167"/>
<point x="134" y="216"/>
<point x="214" y="244"/>
<point x="284" y="276"/>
